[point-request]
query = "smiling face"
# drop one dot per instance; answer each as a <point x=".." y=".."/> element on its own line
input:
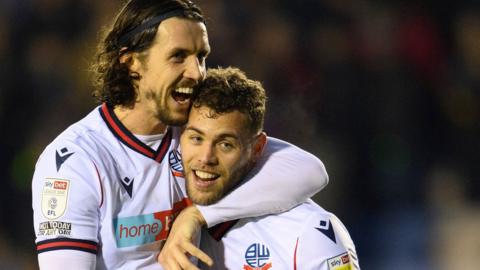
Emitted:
<point x="217" y="152"/>
<point x="169" y="69"/>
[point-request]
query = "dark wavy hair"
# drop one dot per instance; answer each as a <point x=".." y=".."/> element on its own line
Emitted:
<point x="226" y="90"/>
<point x="132" y="31"/>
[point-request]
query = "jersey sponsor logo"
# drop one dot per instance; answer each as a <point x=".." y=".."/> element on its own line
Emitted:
<point x="55" y="228"/>
<point x="60" y="185"/>
<point x="257" y="257"/>
<point x="54" y="197"/>
<point x="340" y="262"/>
<point x="175" y="161"/>
<point x="327" y="229"/>
<point x="148" y="228"/>
<point x="61" y="158"/>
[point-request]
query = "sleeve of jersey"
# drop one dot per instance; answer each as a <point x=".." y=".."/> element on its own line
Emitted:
<point x="66" y="196"/>
<point x="284" y="177"/>
<point x="325" y="245"/>
<point x="59" y="259"/>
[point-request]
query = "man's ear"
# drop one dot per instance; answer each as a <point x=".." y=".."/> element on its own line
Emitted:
<point x="259" y="145"/>
<point x="130" y="59"/>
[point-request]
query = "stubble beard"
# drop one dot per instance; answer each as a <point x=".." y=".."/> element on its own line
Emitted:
<point x="204" y="198"/>
<point x="219" y="191"/>
<point x="165" y="116"/>
<point x="163" y="113"/>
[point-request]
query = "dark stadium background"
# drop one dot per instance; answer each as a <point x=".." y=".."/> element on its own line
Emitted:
<point x="386" y="93"/>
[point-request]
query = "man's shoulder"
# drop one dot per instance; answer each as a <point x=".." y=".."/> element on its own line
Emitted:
<point x="325" y="238"/>
<point x="304" y="219"/>
<point x="80" y="141"/>
<point x="86" y="131"/>
<point x="310" y="216"/>
<point x="315" y="235"/>
<point x="292" y="221"/>
<point x="300" y="214"/>
<point x="91" y="123"/>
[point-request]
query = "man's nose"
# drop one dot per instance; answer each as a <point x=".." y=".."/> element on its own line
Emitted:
<point x="208" y="155"/>
<point x="195" y="70"/>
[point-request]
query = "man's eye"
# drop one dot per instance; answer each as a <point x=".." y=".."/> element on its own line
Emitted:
<point x="226" y="146"/>
<point x="179" y="56"/>
<point x="195" y="139"/>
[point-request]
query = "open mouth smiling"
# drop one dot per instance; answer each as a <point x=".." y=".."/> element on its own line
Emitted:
<point x="205" y="179"/>
<point x="182" y="94"/>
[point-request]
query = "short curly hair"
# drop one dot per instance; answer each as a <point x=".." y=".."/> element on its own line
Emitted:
<point x="112" y="81"/>
<point x="226" y="90"/>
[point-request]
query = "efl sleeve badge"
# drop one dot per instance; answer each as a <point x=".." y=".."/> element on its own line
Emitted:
<point x="54" y="197"/>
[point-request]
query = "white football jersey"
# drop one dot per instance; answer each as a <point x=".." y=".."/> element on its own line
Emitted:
<point x="305" y="238"/>
<point x="97" y="188"/>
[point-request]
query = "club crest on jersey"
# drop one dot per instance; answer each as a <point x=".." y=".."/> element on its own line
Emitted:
<point x="175" y="161"/>
<point x="257" y="257"/>
<point x="54" y="197"/>
<point x="340" y="262"/>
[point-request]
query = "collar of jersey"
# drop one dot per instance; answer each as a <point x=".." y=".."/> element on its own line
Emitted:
<point x="127" y="138"/>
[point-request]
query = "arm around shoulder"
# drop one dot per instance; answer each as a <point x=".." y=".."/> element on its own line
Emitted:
<point x="294" y="166"/>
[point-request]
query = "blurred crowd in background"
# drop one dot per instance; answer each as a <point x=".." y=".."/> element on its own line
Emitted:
<point x="386" y="93"/>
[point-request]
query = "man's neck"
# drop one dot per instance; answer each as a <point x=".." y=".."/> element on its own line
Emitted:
<point x="139" y="121"/>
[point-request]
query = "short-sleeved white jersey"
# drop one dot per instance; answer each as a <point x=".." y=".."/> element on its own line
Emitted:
<point x="305" y="238"/>
<point x="99" y="189"/>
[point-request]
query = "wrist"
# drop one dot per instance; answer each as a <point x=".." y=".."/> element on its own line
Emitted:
<point x="193" y="212"/>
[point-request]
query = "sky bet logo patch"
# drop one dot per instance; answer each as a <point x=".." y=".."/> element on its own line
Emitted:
<point x="340" y="262"/>
<point x="54" y="197"/>
<point x="144" y="229"/>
